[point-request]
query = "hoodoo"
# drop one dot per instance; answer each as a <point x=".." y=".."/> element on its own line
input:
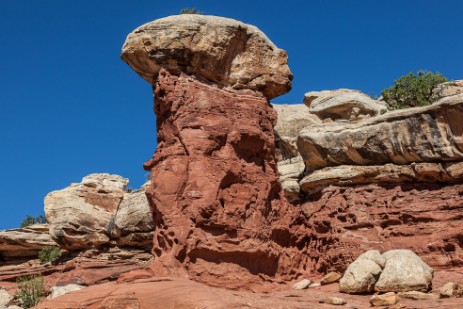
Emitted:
<point x="218" y="206"/>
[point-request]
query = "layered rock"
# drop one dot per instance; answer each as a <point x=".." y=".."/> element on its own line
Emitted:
<point x="349" y="175"/>
<point x="291" y="119"/>
<point x="24" y="242"/>
<point x="423" y="134"/>
<point x="422" y="217"/>
<point x="217" y="202"/>
<point x="133" y="223"/>
<point x="98" y="212"/>
<point x="448" y="89"/>
<point x="342" y="104"/>
<point x="221" y="50"/>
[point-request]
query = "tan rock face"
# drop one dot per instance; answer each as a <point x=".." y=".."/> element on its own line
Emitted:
<point x="291" y="119"/>
<point x="449" y="88"/>
<point x="98" y="211"/>
<point x="221" y="50"/>
<point x="423" y="134"/>
<point x="25" y="242"/>
<point x="348" y="175"/>
<point x="342" y="104"/>
<point x="404" y="271"/>
<point x="79" y="215"/>
<point x="133" y="223"/>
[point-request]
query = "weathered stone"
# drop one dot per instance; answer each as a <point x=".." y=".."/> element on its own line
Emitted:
<point x="448" y="89"/>
<point x="56" y="291"/>
<point x="362" y="274"/>
<point x="384" y="299"/>
<point x="423" y="134"/>
<point x="5" y="298"/>
<point x="451" y="289"/>
<point x="342" y="104"/>
<point x="291" y="171"/>
<point x="301" y="285"/>
<point x="25" y="242"/>
<point x="337" y="301"/>
<point x="291" y="119"/>
<point x="404" y="271"/>
<point x="133" y="222"/>
<point x="348" y="220"/>
<point x="348" y="175"/>
<point x="330" y="277"/>
<point x="80" y="214"/>
<point x="215" y="193"/>
<point x="417" y="295"/>
<point x="218" y="49"/>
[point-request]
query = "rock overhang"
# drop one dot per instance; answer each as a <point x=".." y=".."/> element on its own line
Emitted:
<point x="220" y="50"/>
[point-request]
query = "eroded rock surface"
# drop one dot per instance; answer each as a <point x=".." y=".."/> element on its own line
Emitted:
<point x="422" y="217"/>
<point x="25" y="242"/>
<point x="449" y="88"/>
<point x="222" y="50"/>
<point x="219" y="208"/>
<point x="133" y="223"/>
<point x="79" y="215"/>
<point x="218" y="205"/>
<point x="423" y="134"/>
<point x="350" y="175"/>
<point x="98" y="211"/>
<point x="342" y="104"/>
<point x="291" y="119"/>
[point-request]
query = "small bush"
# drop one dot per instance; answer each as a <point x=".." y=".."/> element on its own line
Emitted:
<point x="30" y="290"/>
<point x="191" y="11"/>
<point x="413" y="90"/>
<point x="33" y="220"/>
<point x="49" y="254"/>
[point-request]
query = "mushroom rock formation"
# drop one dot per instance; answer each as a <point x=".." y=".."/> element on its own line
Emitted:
<point x="219" y="209"/>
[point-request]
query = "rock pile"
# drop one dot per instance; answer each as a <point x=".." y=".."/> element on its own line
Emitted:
<point x="393" y="271"/>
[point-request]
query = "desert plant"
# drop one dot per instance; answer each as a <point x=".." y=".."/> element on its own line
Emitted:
<point x="191" y="11"/>
<point x="29" y="220"/>
<point x="30" y="290"/>
<point x="49" y="254"/>
<point x="413" y="90"/>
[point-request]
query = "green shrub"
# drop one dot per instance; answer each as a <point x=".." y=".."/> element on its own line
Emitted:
<point x="413" y="90"/>
<point x="33" y="220"/>
<point x="30" y="290"/>
<point x="191" y="11"/>
<point x="49" y="254"/>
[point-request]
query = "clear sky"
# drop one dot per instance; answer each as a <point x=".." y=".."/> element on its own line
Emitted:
<point x="71" y="107"/>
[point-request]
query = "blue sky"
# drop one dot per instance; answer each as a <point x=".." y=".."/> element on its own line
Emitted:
<point x="71" y="107"/>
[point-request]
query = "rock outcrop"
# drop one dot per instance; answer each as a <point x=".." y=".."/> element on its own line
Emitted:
<point x="24" y="242"/>
<point x="448" y="89"/>
<point x="223" y="51"/>
<point x="349" y="175"/>
<point x="291" y="167"/>
<point x="217" y="202"/>
<point x="98" y="211"/>
<point x="423" y="134"/>
<point x="344" y="104"/>
<point x="422" y="217"/>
